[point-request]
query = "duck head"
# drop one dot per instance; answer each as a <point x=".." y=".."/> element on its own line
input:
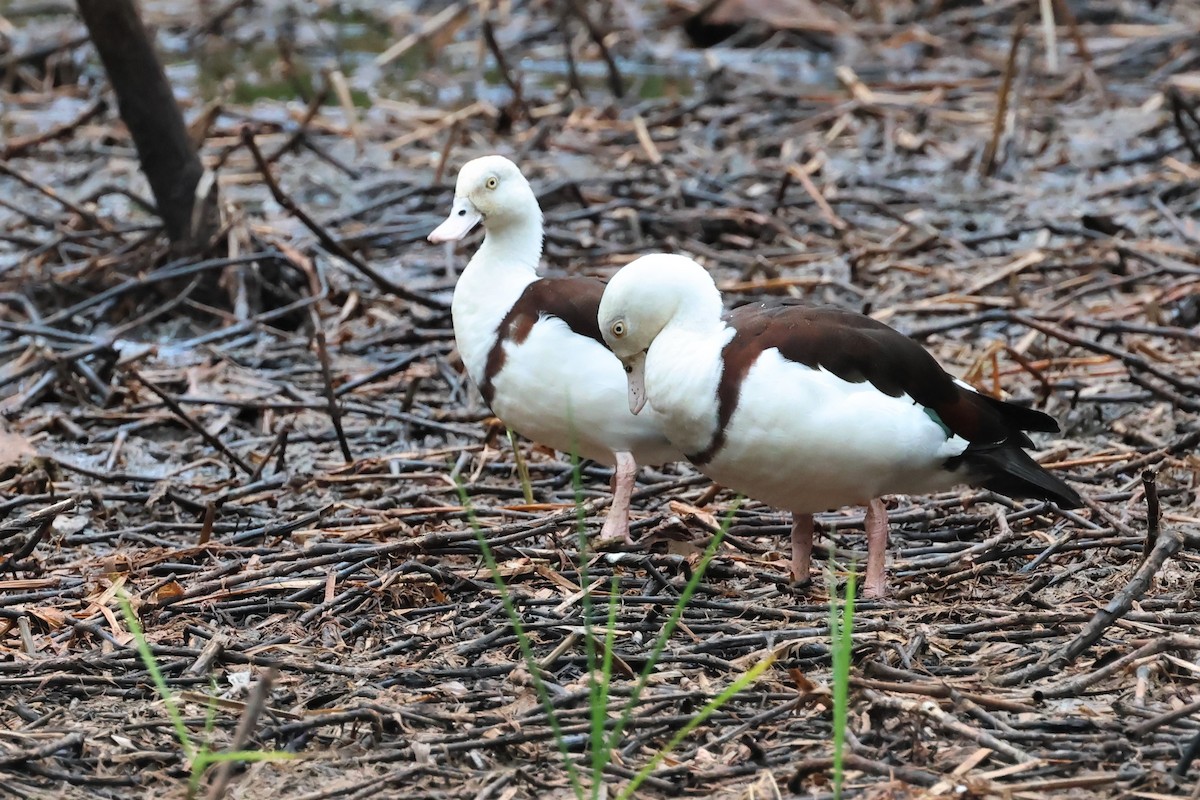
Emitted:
<point x="644" y="297"/>
<point x="490" y="190"/>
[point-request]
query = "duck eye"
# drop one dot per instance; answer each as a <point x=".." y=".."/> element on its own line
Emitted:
<point x="618" y="328"/>
<point x="628" y="369"/>
<point x="492" y="183"/>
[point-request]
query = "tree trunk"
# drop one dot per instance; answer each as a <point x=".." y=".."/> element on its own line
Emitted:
<point x="154" y="120"/>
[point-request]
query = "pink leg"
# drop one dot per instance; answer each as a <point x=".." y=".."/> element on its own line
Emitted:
<point x="802" y="545"/>
<point x="617" y="522"/>
<point x="877" y="536"/>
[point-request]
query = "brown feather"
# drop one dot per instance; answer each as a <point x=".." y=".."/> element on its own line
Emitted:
<point x="857" y="348"/>
<point x="575" y="300"/>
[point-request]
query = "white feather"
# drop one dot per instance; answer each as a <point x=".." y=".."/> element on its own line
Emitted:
<point x="557" y="387"/>
<point x="799" y="437"/>
<point x="568" y="392"/>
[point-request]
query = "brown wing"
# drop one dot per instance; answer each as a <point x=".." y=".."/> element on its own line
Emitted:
<point x="576" y="301"/>
<point x="857" y="348"/>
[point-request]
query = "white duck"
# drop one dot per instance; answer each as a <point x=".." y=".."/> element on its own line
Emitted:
<point x="532" y="345"/>
<point x="810" y="409"/>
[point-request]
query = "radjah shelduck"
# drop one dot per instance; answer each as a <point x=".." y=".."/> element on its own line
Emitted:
<point x="809" y="409"/>
<point x="532" y="344"/>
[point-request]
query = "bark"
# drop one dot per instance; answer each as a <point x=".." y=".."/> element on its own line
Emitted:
<point x="148" y="108"/>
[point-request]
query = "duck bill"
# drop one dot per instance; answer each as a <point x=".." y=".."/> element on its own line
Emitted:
<point x="635" y="372"/>
<point x="463" y="217"/>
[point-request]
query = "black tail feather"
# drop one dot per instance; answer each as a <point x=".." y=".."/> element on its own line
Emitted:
<point x="1007" y="469"/>
<point x="1022" y="418"/>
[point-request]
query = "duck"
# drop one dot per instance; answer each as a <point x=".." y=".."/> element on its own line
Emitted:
<point x="811" y="408"/>
<point x="532" y="345"/>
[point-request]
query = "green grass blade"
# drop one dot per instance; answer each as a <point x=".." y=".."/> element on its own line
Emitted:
<point x="738" y="685"/>
<point x="207" y="758"/>
<point x="522" y="467"/>
<point x="160" y="683"/>
<point x="842" y="644"/>
<point x="599" y="711"/>
<point x="201" y="761"/>
<point x="660" y="643"/>
<point x="597" y="707"/>
<point x="522" y="640"/>
<point x="248" y="756"/>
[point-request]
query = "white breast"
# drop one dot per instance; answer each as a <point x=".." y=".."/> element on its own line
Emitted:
<point x="683" y="370"/>
<point x="569" y="392"/>
<point x="482" y="297"/>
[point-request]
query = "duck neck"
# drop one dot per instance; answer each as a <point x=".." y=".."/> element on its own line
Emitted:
<point x="492" y="282"/>
<point x="513" y="244"/>
<point x="683" y="371"/>
<point x="682" y="352"/>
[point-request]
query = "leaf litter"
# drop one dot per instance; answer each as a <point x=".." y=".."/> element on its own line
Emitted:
<point x="846" y="163"/>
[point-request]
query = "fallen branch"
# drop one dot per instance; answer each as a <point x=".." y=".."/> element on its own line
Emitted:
<point x="187" y="420"/>
<point x="506" y="71"/>
<point x="987" y="165"/>
<point x="256" y="702"/>
<point x="72" y="741"/>
<point x="1168" y="544"/>
<point x="19" y="147"/>
<point x="327" y="241"/>
<point x="1153" y="512"/>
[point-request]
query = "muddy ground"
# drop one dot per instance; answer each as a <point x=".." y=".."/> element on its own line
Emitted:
<point x="1027" y="211"/>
